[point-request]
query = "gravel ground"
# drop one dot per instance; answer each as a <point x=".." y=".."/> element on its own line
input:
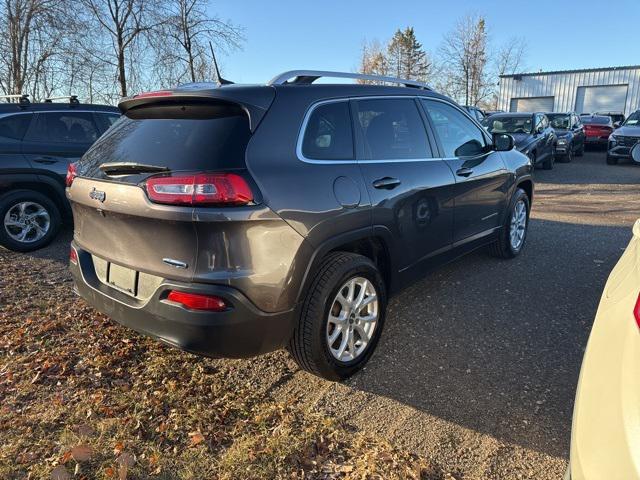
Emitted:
<point x="477" y="367"/>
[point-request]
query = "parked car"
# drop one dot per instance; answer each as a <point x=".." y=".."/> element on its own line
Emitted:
<point x="38" y="141"/>
<point x="617" y="117"/>
<point x="570" y="134"/>
<point x="623" y="139"/>
<point x="475" y="113"/>
<point x="235" y="220"/>
<point x="493" y="112"/>
<point x="532" y="133"/>
<point x="604" y="434"/>
<point x="597" y="129"/>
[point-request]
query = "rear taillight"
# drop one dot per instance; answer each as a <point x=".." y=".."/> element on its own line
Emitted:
<point x="157" y="93"/>
<point x="199" y="189"/>
<point x="636" y="311"/>
<point x="73" y="256"/>
<point x="71" y="173"/>
<point x="196" y="301"/>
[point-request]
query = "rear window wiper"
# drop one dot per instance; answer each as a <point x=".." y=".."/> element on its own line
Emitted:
<point x="116" y="168"/>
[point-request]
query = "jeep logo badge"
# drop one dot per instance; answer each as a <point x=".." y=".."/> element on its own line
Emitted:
<point x="97" y="195"/>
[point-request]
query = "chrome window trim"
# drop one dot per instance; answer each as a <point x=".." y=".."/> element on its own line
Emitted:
<point x="355" y="161"/>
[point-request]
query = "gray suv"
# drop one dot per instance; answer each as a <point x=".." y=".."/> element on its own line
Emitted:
<point x="234" y="220"/>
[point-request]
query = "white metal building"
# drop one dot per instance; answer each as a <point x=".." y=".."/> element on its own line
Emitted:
<point x="614" y="89"/>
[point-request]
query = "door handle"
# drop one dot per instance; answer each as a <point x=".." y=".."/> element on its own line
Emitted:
<point x="45" y="160"/>
<point x="464" y="172"/>
<point x="386" y="183"/>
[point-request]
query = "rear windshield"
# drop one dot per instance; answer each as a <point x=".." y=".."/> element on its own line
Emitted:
<point x="596" y="120"/>
<point x="200" y="137"/>
<point x="559" y="120"/>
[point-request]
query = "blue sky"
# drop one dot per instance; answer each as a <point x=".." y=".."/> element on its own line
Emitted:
<point x="328" y="34"/>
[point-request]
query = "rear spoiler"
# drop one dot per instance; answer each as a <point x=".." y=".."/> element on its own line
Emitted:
<point x="255" y="101"/>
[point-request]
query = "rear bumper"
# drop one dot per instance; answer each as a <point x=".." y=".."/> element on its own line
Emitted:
<point x="597" y="140"/>
<point x="240" y="332"/>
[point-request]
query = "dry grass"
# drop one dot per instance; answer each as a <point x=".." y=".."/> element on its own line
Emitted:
<point x="83" y="397"/>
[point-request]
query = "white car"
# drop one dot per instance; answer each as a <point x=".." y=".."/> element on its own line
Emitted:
<point x="605" y="437"/>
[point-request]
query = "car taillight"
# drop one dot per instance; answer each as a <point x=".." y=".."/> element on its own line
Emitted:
<point x="73" y="256"/>
<point x="157" y="93"/>
<point x="199" y="189"/>
<point x="196" y="301"/>
<point x="636" y="311"/>
<point x="71" y="173"/>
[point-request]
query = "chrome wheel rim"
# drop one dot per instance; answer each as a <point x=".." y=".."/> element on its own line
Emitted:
<point x="27" y="222"/>
<point x="518" y="224"/>
<point x="353" y="318"/>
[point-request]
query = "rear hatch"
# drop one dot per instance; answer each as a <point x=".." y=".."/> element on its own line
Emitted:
<point x="135" y="191"/>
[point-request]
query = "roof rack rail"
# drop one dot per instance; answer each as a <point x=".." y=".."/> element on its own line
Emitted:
<point x="307" y="77"/>
<point x="23" y="98"/>
<point x="73" y="99"/>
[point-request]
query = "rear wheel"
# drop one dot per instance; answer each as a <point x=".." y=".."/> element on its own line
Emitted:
<point x="342" y="317"/>
<point x="30" y="220"/>
<point x="512" y="236"/>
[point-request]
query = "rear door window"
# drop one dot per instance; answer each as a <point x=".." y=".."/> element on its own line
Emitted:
<point x="459" y="136"/>
<point x="392" y="129"/>
<point x="181" y="137"/>
<point x="63" y="127"/>
<point x="328" y="134"/>
<point x="14" y="126"/>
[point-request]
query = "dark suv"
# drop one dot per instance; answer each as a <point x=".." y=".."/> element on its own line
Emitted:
<point x="235" y="220"/>
<point x="37" y="143"/>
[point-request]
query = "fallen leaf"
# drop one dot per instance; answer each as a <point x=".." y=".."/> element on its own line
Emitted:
<point x="81" y="453"/>
<point x="60" y="473"/>
<point x="118" y="448"/>
<point x="125" y="461"/>
<point x="196" y="438"/>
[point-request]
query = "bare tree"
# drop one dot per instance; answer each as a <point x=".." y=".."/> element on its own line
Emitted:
<point x="184" y="40"/>
<point x="123" y="25"/>
<point x="31" y="38"/>
<point x="508" y="59"/>
<point x="373" y="60"/>
<point x="464" y="60"/>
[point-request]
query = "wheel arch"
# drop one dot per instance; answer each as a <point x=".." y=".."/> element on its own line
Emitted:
<point x="47" y="186"/>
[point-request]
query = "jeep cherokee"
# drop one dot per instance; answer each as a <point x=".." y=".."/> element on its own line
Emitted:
<point x="234" y="220"/>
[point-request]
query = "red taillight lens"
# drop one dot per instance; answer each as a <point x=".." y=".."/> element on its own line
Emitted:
<point x="71" y="173"/>
<point x="199" y="189"/>
<point x="195" y="301"/>
<point x="73" y="256"/>
<point x="157" y="93"/>
<point x="636" y="311"/>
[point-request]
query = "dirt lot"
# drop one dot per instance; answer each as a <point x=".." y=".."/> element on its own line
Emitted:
<point x="474" y="377"/>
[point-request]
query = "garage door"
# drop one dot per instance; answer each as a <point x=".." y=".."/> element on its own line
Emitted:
<point x="532" y="104"/>
<point x="610" y="98"/>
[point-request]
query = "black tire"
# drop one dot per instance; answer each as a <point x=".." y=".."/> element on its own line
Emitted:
<point x="308" y="344"/>
<point x="9" y="200"/>
<point x="569" y="156"/>
<point x="580" y="152"/>
<point x="611" y="160"/>
<point x="502" y="247"/>
<point x="548" y="163"/>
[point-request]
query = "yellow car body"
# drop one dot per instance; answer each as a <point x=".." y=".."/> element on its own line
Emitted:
<point x="605" y="437"/>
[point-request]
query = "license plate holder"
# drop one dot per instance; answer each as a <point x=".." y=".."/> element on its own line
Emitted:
<point x="122" y="278"/>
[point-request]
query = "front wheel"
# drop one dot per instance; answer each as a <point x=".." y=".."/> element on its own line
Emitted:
<point x="513" y="234"/>
<point x="342" y="317"/>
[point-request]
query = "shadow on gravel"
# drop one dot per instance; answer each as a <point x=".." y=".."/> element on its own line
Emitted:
<point x="496" y="346"/>
<point x="58" y="250"/>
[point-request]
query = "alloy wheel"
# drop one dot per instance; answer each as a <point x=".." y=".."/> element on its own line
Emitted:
<point x="352" y="320"/>
<point x="518" y="225"/>
<point x="27" y="222"/>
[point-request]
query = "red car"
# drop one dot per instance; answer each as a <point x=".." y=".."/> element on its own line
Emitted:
<point x="597" y="128"/>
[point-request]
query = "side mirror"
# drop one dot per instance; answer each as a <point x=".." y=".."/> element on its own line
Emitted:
<point x="635" y="153"/>
<point x="503" y="142"/>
